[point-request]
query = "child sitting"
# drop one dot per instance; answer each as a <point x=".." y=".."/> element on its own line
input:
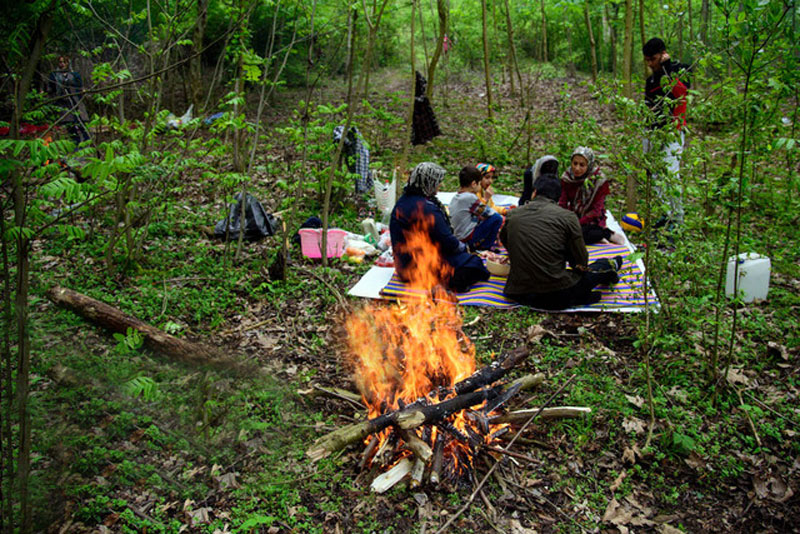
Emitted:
<point x="474" y="223"/>
<point x="488" y="174"/>
<point x="584" y="190"/>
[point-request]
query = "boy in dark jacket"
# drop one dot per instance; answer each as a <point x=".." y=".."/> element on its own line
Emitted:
<point x="665" y="94"/>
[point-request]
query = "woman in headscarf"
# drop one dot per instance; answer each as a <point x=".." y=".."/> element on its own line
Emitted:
<point x="544" y="166"/>
<point x="418" y="210"/>
<point x="583" y="190"/>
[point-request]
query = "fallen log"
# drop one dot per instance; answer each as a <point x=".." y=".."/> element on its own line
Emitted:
<point x="115" y="320"/>
<point x="557" y="412"/>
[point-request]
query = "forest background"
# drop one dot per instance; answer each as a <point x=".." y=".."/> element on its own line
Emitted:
<point x="694" y="408"/>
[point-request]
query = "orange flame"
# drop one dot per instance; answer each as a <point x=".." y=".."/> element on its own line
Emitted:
<point x="403" y="353"/>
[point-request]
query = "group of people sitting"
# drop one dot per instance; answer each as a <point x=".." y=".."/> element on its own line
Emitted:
<point x="554" y="221"/>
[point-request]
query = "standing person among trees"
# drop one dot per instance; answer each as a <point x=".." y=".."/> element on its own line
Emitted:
<point x="583" y="190"/>
<point x="665" y="94"/>
<point x="67" y="86"/>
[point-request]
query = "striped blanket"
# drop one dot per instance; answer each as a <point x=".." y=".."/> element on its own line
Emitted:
<point x="627" y="295"/>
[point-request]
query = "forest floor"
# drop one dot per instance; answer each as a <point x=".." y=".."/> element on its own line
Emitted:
<point x="128" y="441"/>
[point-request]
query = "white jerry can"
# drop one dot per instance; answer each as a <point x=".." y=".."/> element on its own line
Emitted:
<point x="753" y="276"/>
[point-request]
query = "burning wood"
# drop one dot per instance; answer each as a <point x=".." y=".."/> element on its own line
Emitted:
<point x="430" y="411"/>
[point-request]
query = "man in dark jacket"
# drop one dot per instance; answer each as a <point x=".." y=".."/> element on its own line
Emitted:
<point x="419" y="216"/>
<point x="665" y="94"/>
<point x="66" y="84"/>
<point x="541" y="238"/>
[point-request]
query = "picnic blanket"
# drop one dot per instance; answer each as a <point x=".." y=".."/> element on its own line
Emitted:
<point x="626" y="296"/>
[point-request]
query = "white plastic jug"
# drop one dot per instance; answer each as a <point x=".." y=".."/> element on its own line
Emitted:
<point x="753" y="276"/>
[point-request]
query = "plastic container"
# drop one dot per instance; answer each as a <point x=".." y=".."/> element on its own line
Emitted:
<point x="753" y="273"/>
<point x="311" y="242"/>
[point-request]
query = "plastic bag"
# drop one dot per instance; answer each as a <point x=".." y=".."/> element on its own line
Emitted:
<point x="385" y="196"/>
<point x="258" y="223"/>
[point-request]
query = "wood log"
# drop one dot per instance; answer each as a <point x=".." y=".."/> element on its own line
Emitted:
<point x="115" y="320"/>
<point x="386" y="481"/>
<point x="341" y="438"/>
<point x="438" y="456"/>
<point x="417" y="471"/>
<point x="557" y="412"/>
<point x="492" y="372"/>
<point x="408" y="418"/>
<point x="420" y="449"/>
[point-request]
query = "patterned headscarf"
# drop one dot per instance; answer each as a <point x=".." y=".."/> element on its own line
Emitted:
<point x="485" y="168"/>
<point x="426" y="177"/>
<point x="590" y="182"/>
<point x="587" y="154"/>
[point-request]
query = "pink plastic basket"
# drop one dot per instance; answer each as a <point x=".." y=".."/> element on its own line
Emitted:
<point x="311" y="242"/>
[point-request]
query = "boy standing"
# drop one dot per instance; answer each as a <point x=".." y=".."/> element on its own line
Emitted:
<point x="665" y="94"/>
<point x="474" y="223"/>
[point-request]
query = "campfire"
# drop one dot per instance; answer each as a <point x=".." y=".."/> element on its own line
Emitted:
<point x="431" y="412"/>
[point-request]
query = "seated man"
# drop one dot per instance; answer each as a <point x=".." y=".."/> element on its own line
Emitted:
<point x="541" y="238"/>
<point x="419" y="212"/>
<point x="474" y="223"/>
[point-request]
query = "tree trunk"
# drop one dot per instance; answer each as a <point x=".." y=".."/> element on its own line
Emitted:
<point x="336" y="162"/>
<point x="512" y="47"/>
<point x="544" y="33"/>
<point x="196" y="63"/>
<point x="612" y="37"/>
<point x="372" y="25"/>
<point x="642" y="36"/>
<point x="443" y="15"/>
<point x="36" y="48"/>
<point x="592" y="44"/>
<point x="487" y="76"/>
<point x="410" y="112"/>
<point x="424" y="40"/>
<point x="704" y="16"/>
<point x="113" y="319"/>
<point x="627" y="51"/>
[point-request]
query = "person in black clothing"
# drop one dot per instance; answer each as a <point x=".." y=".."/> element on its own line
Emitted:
<point x="424" y="126"/>
<point x="665" y="94"/>
<point x="66" y="85"/>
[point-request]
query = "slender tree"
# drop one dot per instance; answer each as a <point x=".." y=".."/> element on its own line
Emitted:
<point x="592" y="44"/>
<point x="512" y="47"/>
<point x="544" y="32"/>
<point x="487" y="75"/>
<point x="627" y="51"/>
<point x="196" y="63"/>
<point x="441" y="8"/>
